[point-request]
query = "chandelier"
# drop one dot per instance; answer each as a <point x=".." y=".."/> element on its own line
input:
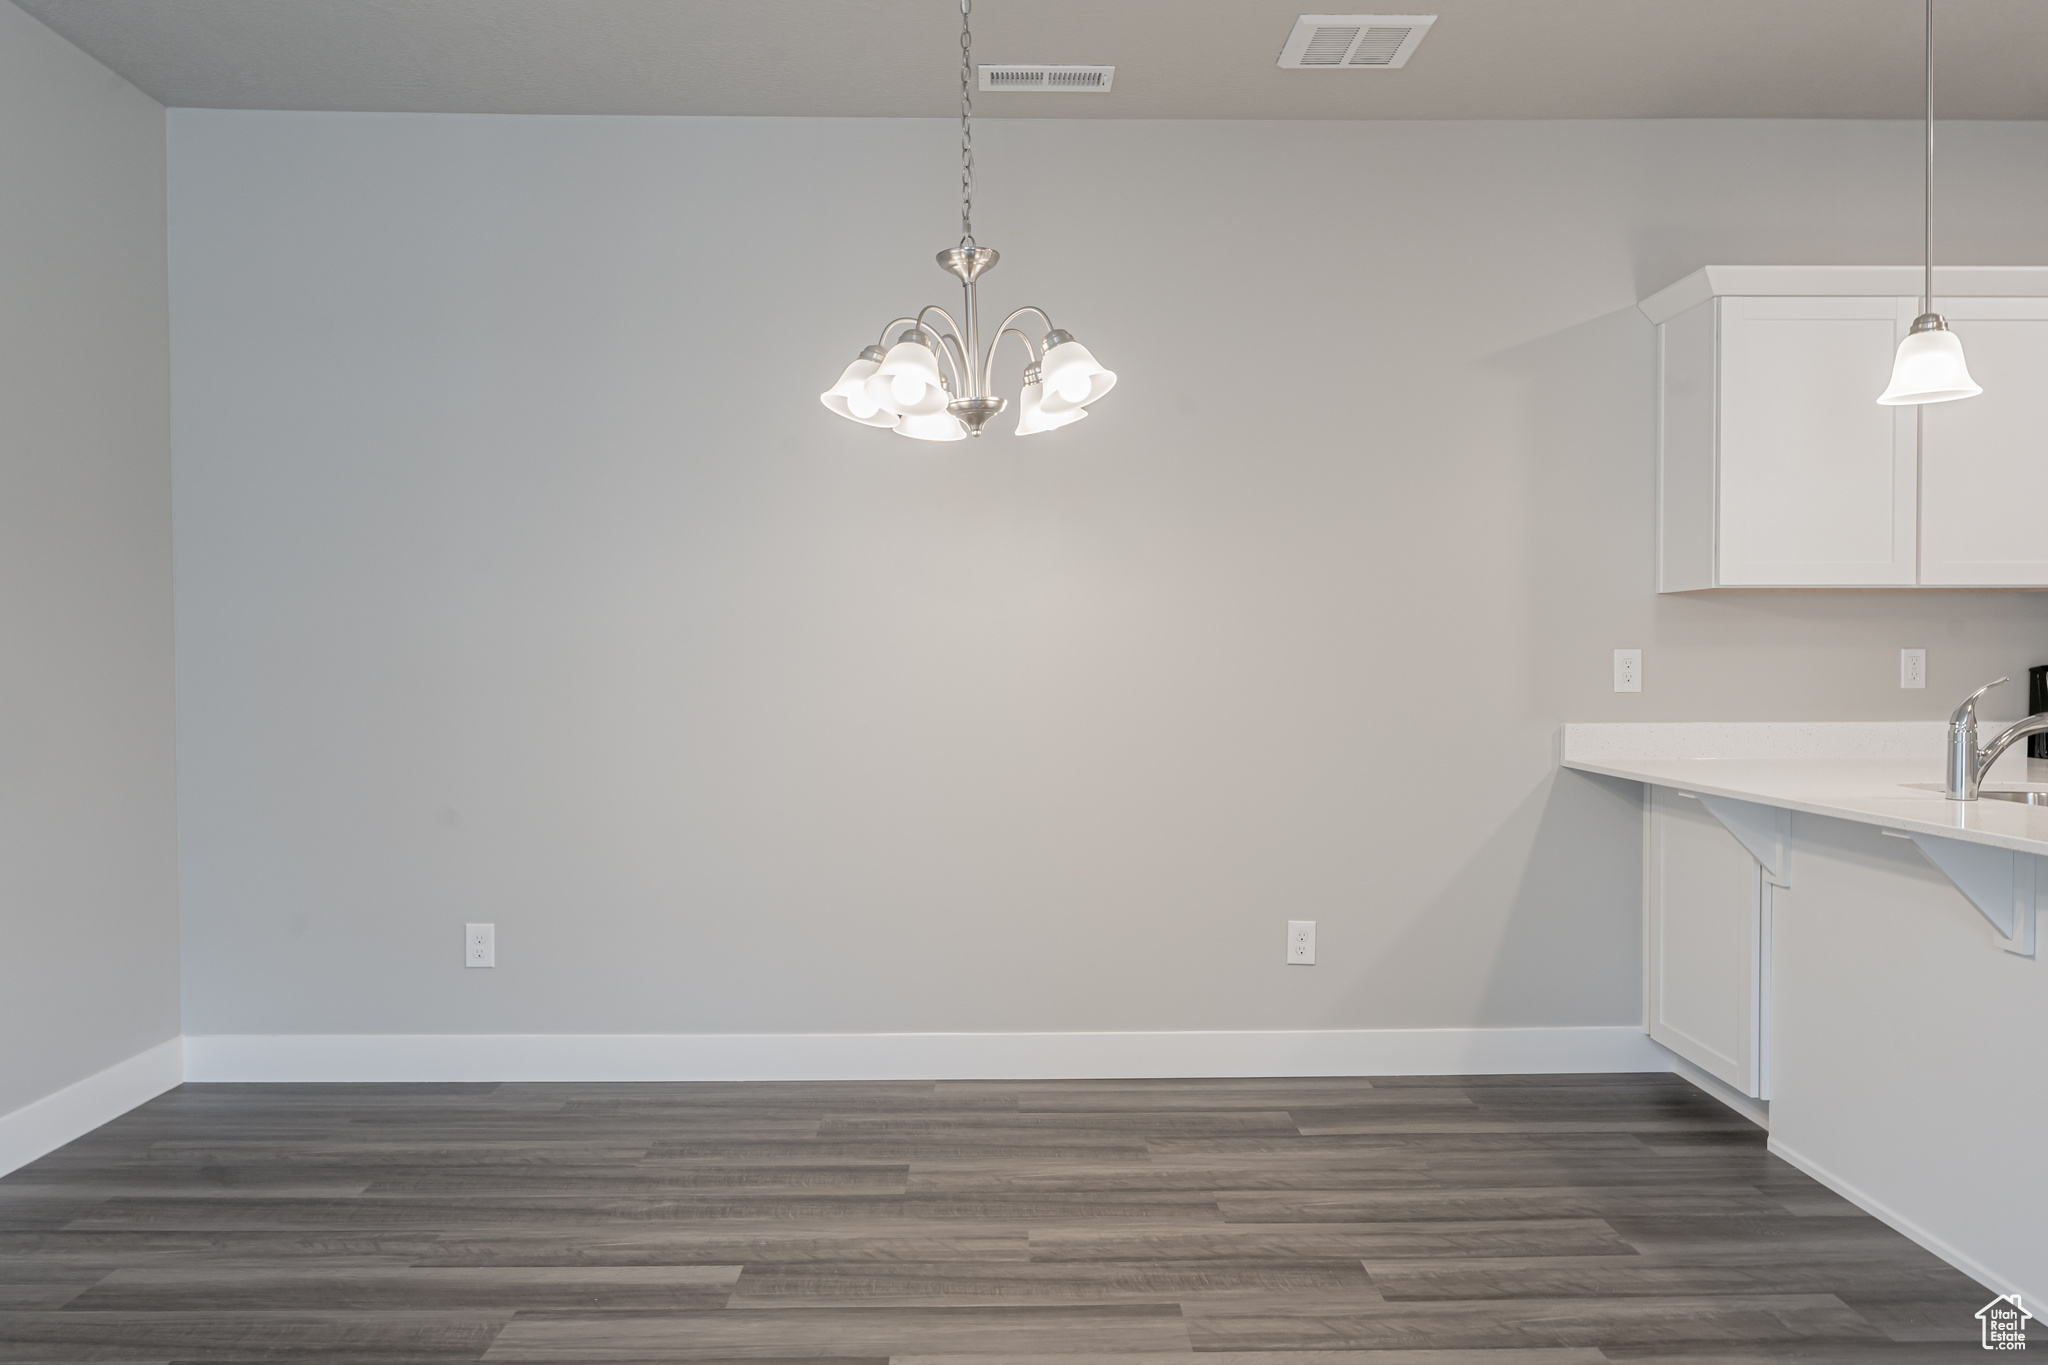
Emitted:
<point x="934" y="384"/>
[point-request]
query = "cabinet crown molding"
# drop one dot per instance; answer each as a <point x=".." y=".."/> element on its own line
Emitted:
<point x="1811" y="281"/>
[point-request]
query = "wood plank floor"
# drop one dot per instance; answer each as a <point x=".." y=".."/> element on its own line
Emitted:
<point x="1511" y="1220"/>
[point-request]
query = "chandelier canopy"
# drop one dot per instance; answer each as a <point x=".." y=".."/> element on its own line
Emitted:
<point x="933" y="383"/>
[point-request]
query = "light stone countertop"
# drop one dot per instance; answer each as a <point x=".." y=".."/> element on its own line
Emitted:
<point x="1884" y="773"/>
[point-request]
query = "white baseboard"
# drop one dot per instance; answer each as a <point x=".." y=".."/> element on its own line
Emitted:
<point x="1757" y="1112"/>
<point x="42" y="1127"/>
<point x="1975" y="1269"/>
<point x="915" y="1056"/>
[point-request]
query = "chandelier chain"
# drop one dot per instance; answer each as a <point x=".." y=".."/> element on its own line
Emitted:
<point x="966" y="127"/>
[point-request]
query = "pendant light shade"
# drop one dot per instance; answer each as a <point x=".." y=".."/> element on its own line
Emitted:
<point x="1930" y="369"/>
<point x="1073" y="378"/>
<point x="1929" y="366"/>
<point x="849" y="396"/>
<point x="1032" y="417"/>
<point x="936" y="426"/>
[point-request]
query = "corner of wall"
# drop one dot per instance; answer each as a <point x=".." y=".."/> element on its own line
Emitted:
<point x="37" y="1129"/>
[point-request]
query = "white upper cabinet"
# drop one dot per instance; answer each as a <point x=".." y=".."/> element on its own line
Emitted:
<point x="1778" y="469"/>
<point x="1815" y="479"/>
<point x="1984" y="460"/>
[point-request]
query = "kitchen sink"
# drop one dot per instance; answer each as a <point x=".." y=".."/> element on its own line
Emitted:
<point x="2039" y="798"/>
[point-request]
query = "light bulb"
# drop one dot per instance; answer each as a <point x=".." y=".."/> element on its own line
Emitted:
<point x="908" y="382"/>
<point x="849" y="397"/>
<point x="880" y="393"/>
<point x="1073" y="377"/>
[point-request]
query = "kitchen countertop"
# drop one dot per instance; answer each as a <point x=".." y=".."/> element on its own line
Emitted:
<point x="1887" y="774"/>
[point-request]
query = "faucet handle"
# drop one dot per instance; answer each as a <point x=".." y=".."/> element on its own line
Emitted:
<point x="1966" y="714"/>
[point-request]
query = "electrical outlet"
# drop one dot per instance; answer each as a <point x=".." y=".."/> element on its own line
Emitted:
<point x="1912" y="668"/>
<point x="1628" y="670"/>
<point x="1301" y="943"/>
<point x="480" y="945"/>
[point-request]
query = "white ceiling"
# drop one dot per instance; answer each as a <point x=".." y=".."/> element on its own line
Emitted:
<point x="1174" y="58"/>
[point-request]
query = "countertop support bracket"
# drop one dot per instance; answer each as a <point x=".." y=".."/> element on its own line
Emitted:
<point x="1766" y="831"/>
<point x="2000" y="882"/>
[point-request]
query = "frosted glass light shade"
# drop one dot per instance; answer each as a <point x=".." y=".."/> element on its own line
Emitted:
<point x="849" y="399"/>
<point x="1032" y="417"/>
<point x="934" y="426"/>
<point x="1929" y="368"/>
<point x="1073" y="378"/>
<point x="908" y="382"/>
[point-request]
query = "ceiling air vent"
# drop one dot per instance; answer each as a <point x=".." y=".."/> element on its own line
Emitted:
<point x="1353" y="42"/>
<point x="1052" y="79"/>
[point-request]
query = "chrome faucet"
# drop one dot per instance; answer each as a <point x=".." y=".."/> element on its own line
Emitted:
<point x="1967" y="763"/>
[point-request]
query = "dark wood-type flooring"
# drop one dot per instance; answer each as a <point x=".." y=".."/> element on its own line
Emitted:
<point x="1511" y="1220"/>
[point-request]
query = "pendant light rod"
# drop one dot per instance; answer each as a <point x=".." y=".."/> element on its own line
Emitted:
<point x="1927" y="184"/>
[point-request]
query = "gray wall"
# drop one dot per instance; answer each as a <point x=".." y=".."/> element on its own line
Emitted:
<point x="88" y="833"/>
<point x="522" y="578"/>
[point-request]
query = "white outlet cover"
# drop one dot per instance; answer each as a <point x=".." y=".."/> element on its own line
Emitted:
<point x="479" y="945"/>
<point x="1301" y="943"/>
<point x="1628" y="670"/>
<point x="1912" y="668"/>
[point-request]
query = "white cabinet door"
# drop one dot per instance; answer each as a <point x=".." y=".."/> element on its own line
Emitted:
<point x="1686" y="351"/>
<point x="1704" y="903"/>
<point x="1984" y="460"/>
<point x="1815" y="480"/>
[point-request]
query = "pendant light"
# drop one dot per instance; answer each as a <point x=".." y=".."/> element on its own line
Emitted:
<point x="934" y="385"/>
<point x="1929" y="367"/>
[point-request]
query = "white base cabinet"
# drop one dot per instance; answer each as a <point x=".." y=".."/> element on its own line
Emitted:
<point x="1778" y="469"/>
<point x="1706" y="942"/>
